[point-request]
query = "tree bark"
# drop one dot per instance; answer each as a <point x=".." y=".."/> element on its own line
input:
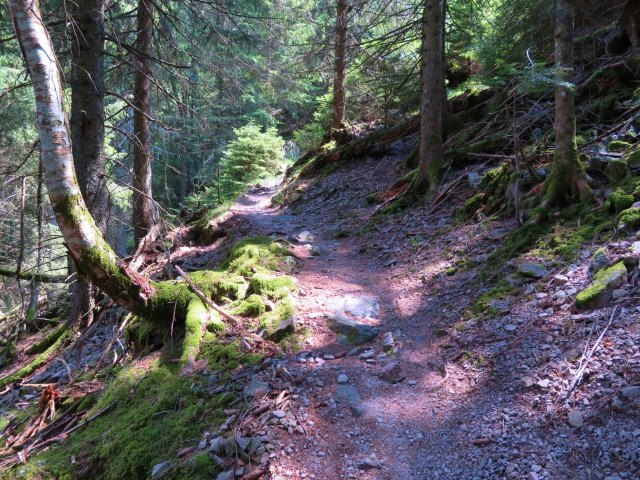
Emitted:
<point x="87" y="132"/>
<point x="340" y="70"/>
<point x="143" y="218"/>
<point x="566" y="182"/>
<point x="84" y="241"/>
<point x="433" y="98"/>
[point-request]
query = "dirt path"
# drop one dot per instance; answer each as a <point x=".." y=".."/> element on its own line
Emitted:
<point x="450" y="399"/>
<point x="361" y="425"/>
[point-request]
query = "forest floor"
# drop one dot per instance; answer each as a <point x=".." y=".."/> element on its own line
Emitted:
<point x="437" y="394"/>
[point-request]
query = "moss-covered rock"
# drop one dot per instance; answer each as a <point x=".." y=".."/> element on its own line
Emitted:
<point x="617" y="170"/>
<point x="629" y="218"/>
<point x="252" y="306"/>
<point x="272" y="286"/>
<point x="619" y="201"/>
<point x="599" y="293"/>
<point x="633" y="160"/>
<point x="618" y="146"/>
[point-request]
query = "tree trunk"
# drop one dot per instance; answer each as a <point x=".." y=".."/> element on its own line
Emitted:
<point x="566" y="182"/>
<point x="87" y="132"/>
<point x="340" y="71"/>
<point x="143" y="218"/>
<point x="84" y="241"/>
<point x="433" y="98"/>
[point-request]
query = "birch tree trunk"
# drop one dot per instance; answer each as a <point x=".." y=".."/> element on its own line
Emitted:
<point x="84" y="241"/>
<point x="87" y="133"/>
<point x="143" y="218"/>
<point x="566" y="182"/>
<point x="340" y="70"/>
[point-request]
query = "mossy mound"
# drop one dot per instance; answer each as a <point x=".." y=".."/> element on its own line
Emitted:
<point x="259" y="254"/>
<point x="617" y="170"/>
<point x="154" y="412"/>
<point x="598" y="293"/>
<point x="629" y="218"/>
<point x="495" y="193"/>
<point x="272" y="286"/>
<point x="618" y="146"/>
<point x="252" y="306"/>
<point x="633" y="160"/>
<point x="619" y="201"/>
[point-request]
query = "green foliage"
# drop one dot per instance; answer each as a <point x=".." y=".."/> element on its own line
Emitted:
<point x="253" y="154"/>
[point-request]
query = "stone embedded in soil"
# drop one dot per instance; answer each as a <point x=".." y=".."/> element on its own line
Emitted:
<point x="304" y="237"/>
<point x="352" y="332"/>
<point x="600" y="292"/>
<point x="256" y="388"/>
<point x="286" y="327"/>
<point x="160" y="470"/>
<point x="392" y="372"/>
<point x="351" y="318"/>
<point x="279" y="413"/>
<point x="575" y="418"/>
<point x="560" y="279"/>
<point x="342" y="378"/>
<point x="599" y="261"/>
<point x="347" y="394"/>
<point x="366" y="307"/>
<point x="533" y="270"/>
<point x="369" y="463"/>
<point x="229" y="475"/>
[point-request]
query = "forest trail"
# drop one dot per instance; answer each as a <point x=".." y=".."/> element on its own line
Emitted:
<point x="368" y="414"/>
<point x="449" y="399"/>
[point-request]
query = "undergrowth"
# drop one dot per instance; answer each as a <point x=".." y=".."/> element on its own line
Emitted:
<point x="155" y="410"/>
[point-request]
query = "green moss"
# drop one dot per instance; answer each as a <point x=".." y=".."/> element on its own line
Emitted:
<point x="258" y="253"/>
<point x="39" y="361"/>
<point x="197" y="314"/>
<point x="273" y="286"/>
<point x="619" y="201"/>
<point x="253" y="306"/>
<point x="154" y="413"/>
<point x="8" y="352"/>
<point x="516" y="243"/>
<point x="618" y="146"/>
<point x="44" y="343"/>
<point x="629" y="218"/>
<point x="272" y="320"/>
<point x="596" y="294"/>
<point x="484" y="304"/>
<point x="633" y="160"/>
<point x="617" y="170"/>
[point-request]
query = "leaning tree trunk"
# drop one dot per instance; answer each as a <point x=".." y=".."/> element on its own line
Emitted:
<point x="566" y="182"/>
<point x="84" y="241"/>
<point x="143" y="218"/>
<point x="433" y="98"/>
<point x="87" y="133"/>
<point x="340" y="69"/>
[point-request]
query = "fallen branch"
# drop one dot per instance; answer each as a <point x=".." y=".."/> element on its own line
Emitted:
<point x="584" y="361"/>
<point x="116" y="334"/>
<point x="36" y="277"/>
<point x="204" y="298"/>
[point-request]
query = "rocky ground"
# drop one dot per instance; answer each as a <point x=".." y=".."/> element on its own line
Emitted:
<point x="536" y="391"/>
<point x="397" y="380"/>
